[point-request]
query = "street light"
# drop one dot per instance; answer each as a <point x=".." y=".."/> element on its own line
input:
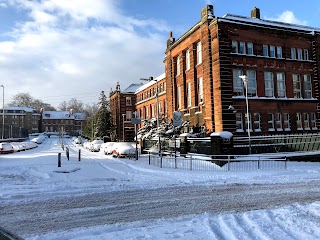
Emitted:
<point x="123" y="115"/>
<point x="245" y="83"/>
<point x="2" y="111"/>
<point x="158" y="108"/>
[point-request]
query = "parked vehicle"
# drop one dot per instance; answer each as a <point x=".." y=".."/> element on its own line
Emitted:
<point x="107" y="147"/>
<point x="123" y="149"/>
<point x="18" y="146"/>
<point x="6" y="148"/>
<point x="95" y="145"/>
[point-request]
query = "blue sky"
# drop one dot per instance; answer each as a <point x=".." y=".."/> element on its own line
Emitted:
<point x="57" y="50"/>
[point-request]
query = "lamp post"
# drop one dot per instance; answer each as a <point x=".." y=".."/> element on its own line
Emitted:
<point x="123" y="115"/>
<point x="2" y="111"/>
<point x="158" y="109"/>
<point x="245" y="83"/>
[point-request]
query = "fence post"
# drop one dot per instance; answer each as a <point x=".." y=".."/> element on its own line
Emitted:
<point x="285" y="163"/>
<point x="258" y="163"/>
<point x="160" y="159"/>
<point x="149" y="158"/>
<point x="59" y="159"/>
<point x="79" y="155"/>
<point x="228" y="163"/>
<point x="190" y="162"/>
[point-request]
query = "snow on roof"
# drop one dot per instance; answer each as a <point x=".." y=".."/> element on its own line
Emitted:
<point x="62" y="115"/>
<point x="132" y="88"/>
<point x="150" y="83"/>
<point x="15" y="108"/>
<point x="224" y="134"/>
<point x="255" y="21"/>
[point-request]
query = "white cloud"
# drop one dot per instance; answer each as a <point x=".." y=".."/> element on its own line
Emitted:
<point x="78" y="46"/>
<point x="288" y="17"/>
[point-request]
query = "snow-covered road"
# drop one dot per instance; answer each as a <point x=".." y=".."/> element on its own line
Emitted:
<point x="66" y="213"/>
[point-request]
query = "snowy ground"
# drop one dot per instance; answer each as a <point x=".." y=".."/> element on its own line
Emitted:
<point x="32" y="179"/>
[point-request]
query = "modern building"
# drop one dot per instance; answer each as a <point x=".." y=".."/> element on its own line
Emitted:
<point x="122" y="107"/>
<point x="279" y="60"/>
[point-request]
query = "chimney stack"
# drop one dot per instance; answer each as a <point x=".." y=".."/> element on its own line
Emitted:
<point x="255" y="13"/>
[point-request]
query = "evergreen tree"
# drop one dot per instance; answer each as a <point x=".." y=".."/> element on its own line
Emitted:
<point x="103" y="124"/>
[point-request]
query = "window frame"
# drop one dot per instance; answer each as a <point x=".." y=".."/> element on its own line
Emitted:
<point x="269" y="84"/>
<point x="250" y="48"/>
<point x="299" y="121"/>
<point x="271" y="122"/>
<point x="296" y="83"/>
<point x="187" y="59"/>
<point x="281" y="85"/>
<point x="199" y="53"/>
<point x="307" y="86"/>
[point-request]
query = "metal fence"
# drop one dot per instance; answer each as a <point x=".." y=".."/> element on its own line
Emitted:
<point x="224" y="163"/>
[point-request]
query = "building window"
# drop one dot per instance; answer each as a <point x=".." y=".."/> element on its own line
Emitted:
<point x="305" y="54"/>
<point x="128" y="115"/>
<point x="268" y="82"/>
<point x="286" y="121"/>
<point x="306" y="121"/>
<point x="252" y="86"/>
<point x="299" y="51"/>
<point x="307" y="86"/>
<point x="239" y="122"/>
<point x="279" y="52"/>
<point x="242" y="49"/>
<point x="199" y="53"/>
<point x="278" y="121"/>
<point x="296" y="85"/>
<point x="270" y="122"/>
<point x="299" y="122"/>
<point x="128" y="101"/>
<point x="179" y="97"/>
<point x="200" y="90"/>
<point x="313" y="120"/>
<point x="272" y="51"/>
<point x="189" y="94"/>
<point x="147" y="113"/>
<point x="178" y="65"/>
<point x="293" y="53"/>
<point x="257" y="122"/>
<point x="250" y="48"/>
<point x="265" y="50"/>
<point x="281" y="85"/>
<point x="234" y="47"/>
<point x="237" y="82"/>
<point x="187" y="60"/>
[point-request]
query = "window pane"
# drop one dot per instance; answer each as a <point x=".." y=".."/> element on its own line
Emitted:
<point x="265" y="50"/>
<point x="234" y="47"/>
<point x="250" y="48"/>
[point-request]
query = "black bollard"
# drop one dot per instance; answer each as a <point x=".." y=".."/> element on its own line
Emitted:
<point x="79" y="156"/>
<point x="59" y="159"/>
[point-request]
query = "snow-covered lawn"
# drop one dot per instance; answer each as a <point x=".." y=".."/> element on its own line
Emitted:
<point x="34" y="174"/>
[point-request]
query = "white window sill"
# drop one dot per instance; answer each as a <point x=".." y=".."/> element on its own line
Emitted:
<point x="271" y="130"/>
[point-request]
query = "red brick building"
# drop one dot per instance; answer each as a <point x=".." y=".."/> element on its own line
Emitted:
<point x="122" y="107"/>
<point x="203" y="69"/>
<point x="280" y="60"/>
<point x="146" y="104"/>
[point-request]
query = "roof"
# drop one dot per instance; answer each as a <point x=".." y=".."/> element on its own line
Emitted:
<point x="62" y="115"/>
<point x="18" y="108"/>
<point x="132" y="88"/>
<point x="268" y="23"/>
<point x="150" y="83"/>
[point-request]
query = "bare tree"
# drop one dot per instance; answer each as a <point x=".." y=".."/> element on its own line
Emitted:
<point x="91" y="109"/>
<point x="73" y="103"/>
<point x="26" y="100"/>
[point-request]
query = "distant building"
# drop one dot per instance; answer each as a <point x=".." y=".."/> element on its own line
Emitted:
<point x="122" y="107"/>
<point x="19" y="121"/>
<point x="63" y="121"/>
